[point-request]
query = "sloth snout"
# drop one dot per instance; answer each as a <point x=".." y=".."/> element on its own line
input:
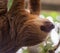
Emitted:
<point x="47" y="27"/>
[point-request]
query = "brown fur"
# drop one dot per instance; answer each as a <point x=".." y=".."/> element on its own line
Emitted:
<point x="35" y="7"/>
<point x="3" y="5"/>
<point x="19" y="28"/>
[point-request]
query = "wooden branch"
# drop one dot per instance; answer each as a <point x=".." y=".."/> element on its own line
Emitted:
<point x="50" y="7"/>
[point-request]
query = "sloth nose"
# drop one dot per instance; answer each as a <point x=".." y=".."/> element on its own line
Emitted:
<point x="47" y="27"/>
<point x="49" y="24"/>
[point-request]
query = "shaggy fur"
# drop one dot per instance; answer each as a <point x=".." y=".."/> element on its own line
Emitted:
<point x="35" y="7"/>
<point x="19" y="28"/>
<point x="3" y="5"/>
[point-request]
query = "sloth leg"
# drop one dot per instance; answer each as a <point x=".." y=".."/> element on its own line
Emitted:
<point x="35" y="7"/>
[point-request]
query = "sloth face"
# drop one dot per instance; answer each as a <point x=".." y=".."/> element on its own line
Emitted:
<point x="47" y="26"/>
<point x="3" y="6"/>
<point x="35" y="31"/>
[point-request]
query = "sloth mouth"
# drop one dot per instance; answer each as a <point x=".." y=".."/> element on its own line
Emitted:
<point x="47" y="28"/>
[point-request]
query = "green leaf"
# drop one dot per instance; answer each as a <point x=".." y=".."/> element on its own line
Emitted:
<point x="25" y="51"/>
<point x="9" y="4"/>
<point x="54" y="15"/>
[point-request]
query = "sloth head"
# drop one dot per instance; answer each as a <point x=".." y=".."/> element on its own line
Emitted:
<point x="35" y="31"/>
<point x="3" y="6"/>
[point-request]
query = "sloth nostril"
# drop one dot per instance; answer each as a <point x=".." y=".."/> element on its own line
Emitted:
<point x="52" y="26"/>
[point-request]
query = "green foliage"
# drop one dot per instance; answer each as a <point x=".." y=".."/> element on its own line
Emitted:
<point x="53" y="14"/>
<point x="9" y="4"/>
<point x="25" y="51"/>
<point x="46" y="46"/>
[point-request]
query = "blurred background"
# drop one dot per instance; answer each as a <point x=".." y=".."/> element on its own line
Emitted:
<point x="50" y="9"/>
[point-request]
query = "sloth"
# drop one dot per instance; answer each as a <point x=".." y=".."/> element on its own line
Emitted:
<point x="20" y="28"/>
<point x="3" y="5"/>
